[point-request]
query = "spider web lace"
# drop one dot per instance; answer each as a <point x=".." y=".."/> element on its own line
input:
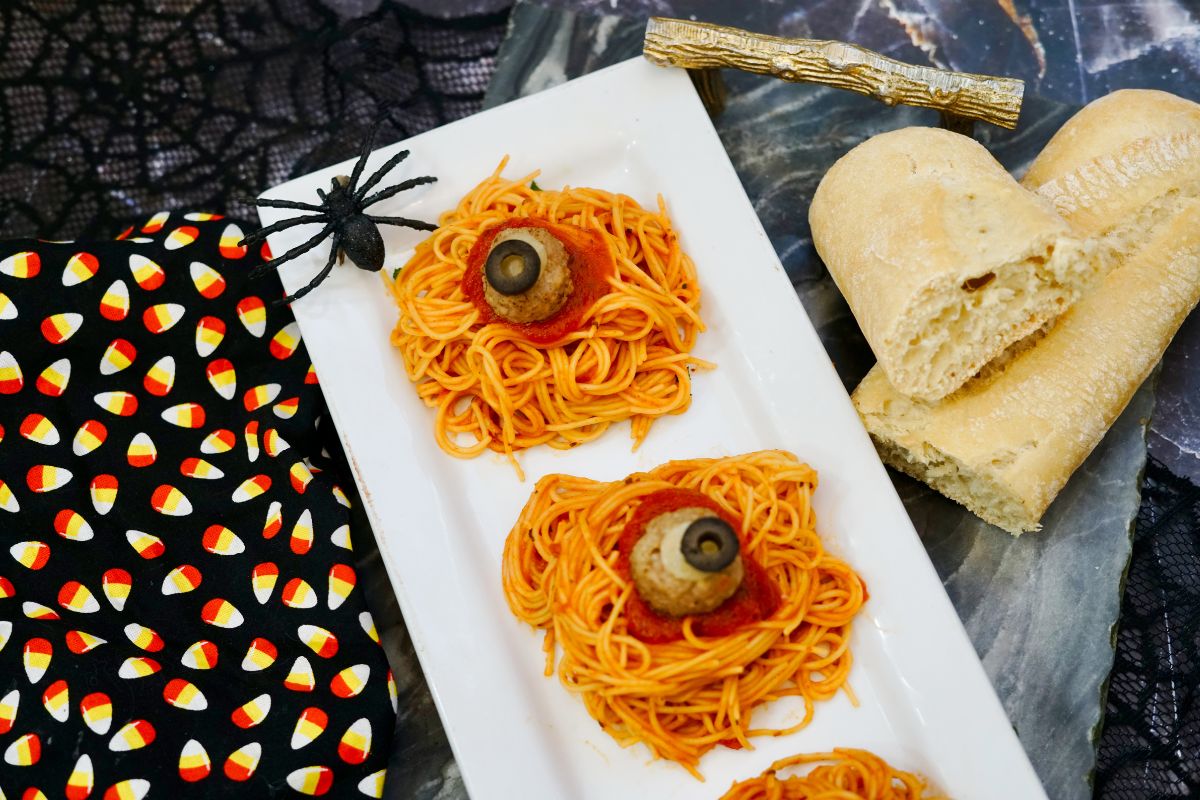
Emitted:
<point x="114" y="110"/>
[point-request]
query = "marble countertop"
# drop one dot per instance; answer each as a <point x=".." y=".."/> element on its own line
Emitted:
<point x="1040" y="618"/>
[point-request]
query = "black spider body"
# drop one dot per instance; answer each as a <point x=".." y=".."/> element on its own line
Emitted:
<point x="353" y="232"/>
<point x="360" y="238"/>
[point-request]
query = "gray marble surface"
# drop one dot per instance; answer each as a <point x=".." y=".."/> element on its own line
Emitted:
<point x="1040" y="610"/>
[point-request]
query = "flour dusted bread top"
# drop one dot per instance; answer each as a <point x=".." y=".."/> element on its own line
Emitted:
<point x="1125" y="174"/>
<point x="944" y="258"/>
<point x="1120" y="166"/>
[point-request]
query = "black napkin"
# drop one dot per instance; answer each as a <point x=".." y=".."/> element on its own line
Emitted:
<point x="179" y="611"/>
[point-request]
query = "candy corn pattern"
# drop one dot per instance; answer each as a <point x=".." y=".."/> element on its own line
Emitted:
<point x="103" y="490"/>
<point x="201" y="655"/>
<point x="36" y="428"/>
<point x="355" y="744"/>
<point x="194" y="763"/>
<point x="57" y="328"/>
<point x="300" y="677"/>
<point x="21" y="265"/>
<point x="81" y="780"/>
<point x="313" y="781"/>
<point x="96" y="710"/>
<point x="263" y="580"/>
<point x="319" y="640"/>
<point x="309" y="726"/>
<point x="208" y="281"/>
<point x="9" y="704"/>
<point x="219" y="441"/>
<point x="182" y="579"/>
<point x="25" y="751"/>
<point x="11" y="378"/>
<point x="260" y="655"/>
<point x="57" y="700"/>
<point x="70" y="525"/>
<point x="31" y="555"/>
<point x="138" y="667"/>
<point x="341" y="583"/>
<point x="142" y="637"/>
<point x="174" y="531"/>
<point x="160" y="378"/>
<point x="210" y="332"/>
<point x="141" y="451"/>
<point x="132" y="736"/>
<point x="230" y="245"/>
<point x="114" y="305"/>
<point x="146" y="273"/>
<point x="350" y="681"/>
<point x="80" y="642"/>
<point x="116" y="584"/>
<point x="222" y="377"/>
<point x="80" y="267"/>
<point x="36" y="657"/>
<point x="52" y="381"/>
<point x="252" y="712"/>
<point x="241" y="763"/>
<point x="185" y="695"/>
<point x="221" y="541"/>
<point x="91" y="434"/>
<point x="162" y="317"/>
<point x="221" y="613"/>
<point x="181" y="237"/>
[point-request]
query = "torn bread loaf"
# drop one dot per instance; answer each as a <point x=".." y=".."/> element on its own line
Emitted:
<point x="1124" y="172"/>
<point x="944" y="258"/>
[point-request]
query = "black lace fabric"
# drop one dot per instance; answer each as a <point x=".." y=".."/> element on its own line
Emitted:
<point x="1150" y="746"/>
<point x="112" y="110"/>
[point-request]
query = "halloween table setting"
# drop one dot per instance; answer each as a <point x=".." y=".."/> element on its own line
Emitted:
<point x="244" y="557"/>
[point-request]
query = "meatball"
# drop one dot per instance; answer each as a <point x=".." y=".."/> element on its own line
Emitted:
<point x="664" y="578"/>
<point x="552" y="287"/>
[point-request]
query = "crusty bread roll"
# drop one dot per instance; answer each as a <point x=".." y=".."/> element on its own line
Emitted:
<point x="944" y="259"/>
<point x="1125" y="172"/>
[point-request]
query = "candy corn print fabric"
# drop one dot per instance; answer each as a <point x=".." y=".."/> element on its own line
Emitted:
<point x="178" y="606"/>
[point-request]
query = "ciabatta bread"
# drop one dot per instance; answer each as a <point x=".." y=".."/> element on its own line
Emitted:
<point x="1125" y="173"/>
<point x="944" y="259"/>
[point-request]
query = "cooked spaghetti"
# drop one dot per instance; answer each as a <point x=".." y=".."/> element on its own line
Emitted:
<point x="564" y="572"/>
<point x="622" y="354"/>
<point x="844" y="774"/>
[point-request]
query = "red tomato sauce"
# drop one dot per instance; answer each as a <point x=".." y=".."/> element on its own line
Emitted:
<point x="590" y="264"/>
<point x="756" y="599"/>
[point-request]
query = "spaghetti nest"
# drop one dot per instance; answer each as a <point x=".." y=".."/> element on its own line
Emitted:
<point x="628" y="358"/>
<point x="844" y="774"/>
<point x="681" y="698"/>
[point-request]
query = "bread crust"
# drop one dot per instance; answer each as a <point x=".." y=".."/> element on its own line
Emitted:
<point x="943" y="257"/>
<point x="1125" y="173"/>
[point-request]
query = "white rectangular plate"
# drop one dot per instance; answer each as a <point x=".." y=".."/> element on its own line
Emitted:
<point x="924" y="701"/>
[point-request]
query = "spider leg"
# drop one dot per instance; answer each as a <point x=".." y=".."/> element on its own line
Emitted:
<point x="262" y="233"/>
<point x="364" y="154"/>
<point x="299" y="249"/>
<point x="263" y="202"/>
<point x="384" y="194"/>
<point x="320" y="276"/>
<point x="405" y="221"/>
<point x="377" y="176"/>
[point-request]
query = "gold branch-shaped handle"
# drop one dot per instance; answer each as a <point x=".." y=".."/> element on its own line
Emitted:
<point x="700" y="45"/>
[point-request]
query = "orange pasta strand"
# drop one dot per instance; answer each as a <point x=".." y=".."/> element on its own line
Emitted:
<point x="493" y="389"/>
<point x="682" y="698"/>
<point x="844" y="774"/>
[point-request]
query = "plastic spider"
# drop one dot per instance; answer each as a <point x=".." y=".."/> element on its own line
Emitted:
<point x="343" y="210"/>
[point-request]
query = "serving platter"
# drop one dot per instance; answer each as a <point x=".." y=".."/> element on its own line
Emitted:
<point x="924" y="702"/>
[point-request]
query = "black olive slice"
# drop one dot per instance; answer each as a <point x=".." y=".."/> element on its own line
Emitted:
<point x="512" y="267"/>
<point x="709" y="544"/>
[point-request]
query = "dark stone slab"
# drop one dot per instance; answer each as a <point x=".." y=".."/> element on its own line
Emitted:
<point x="1039" y="609"/>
